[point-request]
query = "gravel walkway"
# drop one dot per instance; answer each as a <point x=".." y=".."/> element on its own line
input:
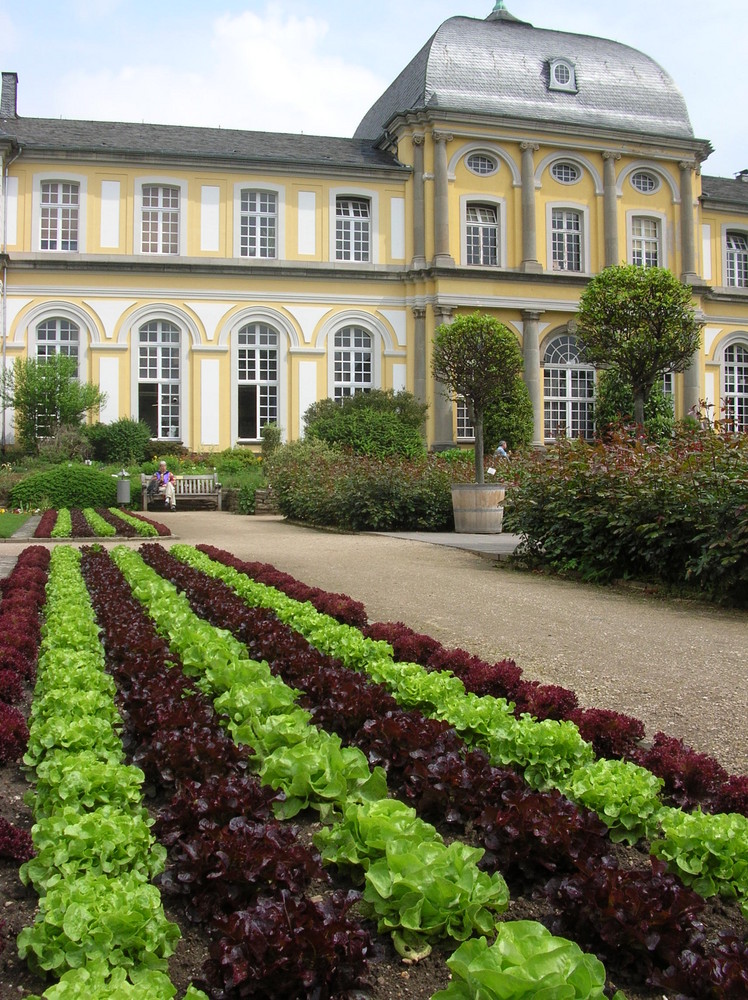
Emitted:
<point x="679" y="666"/>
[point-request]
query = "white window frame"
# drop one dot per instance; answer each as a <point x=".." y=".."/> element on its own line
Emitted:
<point x="356" y="194"/>
<point x="353" y="351"/>
<point x="556" y="68"/>
<point x="485" y="156"/>
<point x="280" y="218"/>
<point x="182" y="425"/>
<point x="162" y="182"/>
<point x="661" y="219"/>
<point x="566" y="399"/>
<point x="261" y="329"/>
<point x="739" y="375"/>
<point x="465" y="430"/>
<point x="584" y="233"/>
<point x="499" y="204"/>
<point x="60" y="177"/>
<point x="727" y="231"/>
<point x="648" y="173"/>
<point x="565" y="162"/>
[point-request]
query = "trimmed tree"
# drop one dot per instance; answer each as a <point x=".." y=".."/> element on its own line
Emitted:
<point x="478" y="359"/>
<point x="639" y="322"/>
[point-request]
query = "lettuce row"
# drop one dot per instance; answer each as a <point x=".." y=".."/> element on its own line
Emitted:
<point x="552" y="754"/>
<point x="416" y="887"/>
<point x="63" y="525"/>
<point x="143" y="528"/>
<point x="100" y="925"/>
<point x="99" y="525"/>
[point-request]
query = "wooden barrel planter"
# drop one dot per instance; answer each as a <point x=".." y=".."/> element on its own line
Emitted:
<point x="478" y="509"/>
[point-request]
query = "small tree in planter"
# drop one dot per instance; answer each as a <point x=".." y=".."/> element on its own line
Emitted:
<point x="478" y="359"/>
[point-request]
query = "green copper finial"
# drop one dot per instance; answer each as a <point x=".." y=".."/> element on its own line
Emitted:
<point x="499" y="5"/>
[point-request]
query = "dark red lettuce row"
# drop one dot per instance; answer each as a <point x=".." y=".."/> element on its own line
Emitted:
<point x="121" y="526"/>
<point x="15" y="844"/>
<point x="47" y="521"/>
<point x="643" y="921"/>
<point x="338" y="606"/>
<point x="162" y="530"/>
<point x="232" y="866"/>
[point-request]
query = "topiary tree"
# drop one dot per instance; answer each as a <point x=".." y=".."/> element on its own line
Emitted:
<point x="45" y="394"/>
<point x="614" y="405"/>
<point x="639" y="322"/>
<point x="477" y="358"/>
<point x="509" y="419"/>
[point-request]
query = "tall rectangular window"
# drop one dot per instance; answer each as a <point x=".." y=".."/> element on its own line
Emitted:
<point x="257" y="379"/>
<point x="645" y="241"/>
<point x="353" y="362"/>
<point x="736" y="260"/>
<point x="159" y="378"/>
<point x="482" y="227"/>
<point x="59" y="216"/>
<point x="160" y="219"/>
<point x="258" y="224"/>
<point x="352" y="229"/>
<point x="566" y="240"/>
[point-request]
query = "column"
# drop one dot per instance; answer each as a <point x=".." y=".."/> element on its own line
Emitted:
<point x="688" y="254"/>
<point x="419" y="355"/>
<point x="530" y="262"/>
<point x="419" y="205"/>
<point x="442" y="256"/>
<point x="531" y="374"/>
<point x="610" y="209"/>
<point x="442" y="404"/>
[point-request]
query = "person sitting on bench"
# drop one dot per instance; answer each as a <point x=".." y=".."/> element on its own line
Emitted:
<point x="162" y="483"/>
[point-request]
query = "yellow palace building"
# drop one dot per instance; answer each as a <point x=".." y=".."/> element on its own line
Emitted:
<point x="214" y="280"/>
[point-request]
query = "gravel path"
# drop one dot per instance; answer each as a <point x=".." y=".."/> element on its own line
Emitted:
<point x="679" y="666"/>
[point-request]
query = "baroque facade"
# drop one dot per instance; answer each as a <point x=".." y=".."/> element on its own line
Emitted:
<point x="214" y="280"/>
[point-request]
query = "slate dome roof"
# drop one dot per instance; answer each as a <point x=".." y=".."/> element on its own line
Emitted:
<point x="500" y="67"/>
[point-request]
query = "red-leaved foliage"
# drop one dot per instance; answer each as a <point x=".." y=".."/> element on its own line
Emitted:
<point x="11" y="687"/>
<point x="14" y="734"/>
<point x="611" y="734"/>
<point x="15" y="843"/>
<point x="47" y="522"/>
<point x="690" y="778"/>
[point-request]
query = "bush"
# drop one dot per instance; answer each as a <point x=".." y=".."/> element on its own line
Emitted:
<point x="614" y="406"/>
<point x="377" y="423"/>
<point x="509" y="419"/>
<point x="124" y="442"/>
<point x="271" y="439"/>
<point x="66" y="486"/>
<point x="318" y="484"/>
<point x="675" y="513"/>
<point x="68" y="443"/>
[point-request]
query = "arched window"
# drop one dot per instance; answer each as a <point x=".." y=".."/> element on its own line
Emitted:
<point x="353" y="362"/>
<point x="569" y="391"/>
<point x="735" y="386"/>
<point x="159" y="389"/>
<point x="736" y="259"/>
<point x="58" y="336"/>
<point x="256" y="379"/>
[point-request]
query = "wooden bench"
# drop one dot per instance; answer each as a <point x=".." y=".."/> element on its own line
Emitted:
<point x="193" y="492"/>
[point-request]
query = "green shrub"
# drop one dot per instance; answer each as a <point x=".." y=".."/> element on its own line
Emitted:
<point x="66" y="486"/>
<point x="319" y="484"/>
<point x="124" y="442"/>
<point x="68" y="443"/>
<point x="271" y="439"/>
<point x="614" y="406"/>
<point x="675" y="513"/>
<point x="377" y="423"/>
<point x="509" y="419"/>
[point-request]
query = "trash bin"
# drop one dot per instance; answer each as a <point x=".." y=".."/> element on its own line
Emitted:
<point x="123" y="487"/>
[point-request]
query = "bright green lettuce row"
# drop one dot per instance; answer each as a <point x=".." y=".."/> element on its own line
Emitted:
<point x="57" y="703"/>
<point x="72" y="670"/>
<point x="75" y="735"/>
<point x="105" y="841"/>
<point x="119" y="921"/>
<point x="268" y="733"/>
<point x="63" y="525"/>
<point x="98" y="524"/>
<point x="526" y="962"/>
<point x="708" y="851"/>
<point x="98" y="981"/>
<point x="143" y="528"/>
<point x="624" y="796"/>
<point x="84" y="781"/>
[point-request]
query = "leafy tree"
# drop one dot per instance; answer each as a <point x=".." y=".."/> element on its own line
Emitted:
<point x="46" y="395"/>
<point x="477" y="358"/>
<point x="509" y="419"/>
<point x="639" y="322"/>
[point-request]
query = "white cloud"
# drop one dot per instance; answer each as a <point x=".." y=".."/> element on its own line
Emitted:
<point x="264" y="73"/>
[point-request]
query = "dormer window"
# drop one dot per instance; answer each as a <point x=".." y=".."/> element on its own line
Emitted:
<point x="562" y="76"/>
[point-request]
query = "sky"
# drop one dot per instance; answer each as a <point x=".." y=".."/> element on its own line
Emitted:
<point x="316" y="67"/>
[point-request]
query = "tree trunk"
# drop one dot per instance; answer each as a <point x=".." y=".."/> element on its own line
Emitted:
<point x="478" y="425"/>
<point x="639" y="400"/>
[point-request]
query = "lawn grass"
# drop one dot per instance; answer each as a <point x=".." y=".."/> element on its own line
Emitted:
<point x="10" y="523"/>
